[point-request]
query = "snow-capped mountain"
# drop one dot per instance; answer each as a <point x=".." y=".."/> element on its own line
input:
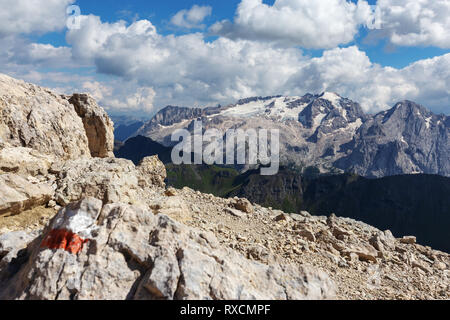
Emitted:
<point x="329" y="132"/>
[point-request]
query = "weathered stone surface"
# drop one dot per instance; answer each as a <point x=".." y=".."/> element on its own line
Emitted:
<point x="365" y="253"/>
<point x="108" y="179"/>
<point x="98" y="126"/>
<point x="11" y="246"/>
<point x="408" y="240"/>
<point x="18" y="194"/>
<point x="383" y="241"/>
<point x="171" y="192"/>
<point x="24" y="161"/>
<point x="281" y="217"/>
<point x="35" y="117"/>
<point x="175" y="207"/>
<point x="134" y="254"/>
<point x="235" y="212"/>
<point x="153" y="168"/>
<point x="243" y="205"/>
<point x="308" y="234"/>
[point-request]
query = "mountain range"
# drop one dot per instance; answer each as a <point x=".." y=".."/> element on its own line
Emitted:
<point x="329" y="132"/>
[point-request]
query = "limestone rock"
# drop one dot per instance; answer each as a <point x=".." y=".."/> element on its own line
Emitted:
<point x="152" y="167"/>
<point x="339" y="233"/>
<point x="98" y="126"/>
<point x="408" y="240"/>
<point x="24" y="161"/>
<point x="235" y="212"/>
<point x="35" y="117"/>
<point x="281" y="217"/>
<point x="243" y="205"/>
<point x="364" y="253"/>
<point x="308" y="234"/>
<point x="383" y="241"/>
<point x="171" y="192"/>
<point x="18" y="194"/>
<point x="11" y="245"/>
<point x="440" y="265"/>
<point x="174" y="207"/>
<point x="108" y="179"/>
<point x="131" y="253"/>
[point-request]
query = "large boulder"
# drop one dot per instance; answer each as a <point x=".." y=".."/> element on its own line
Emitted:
<point x="153" y="168"/>
<point x="35" y="117"/>
<point x="18" y="194"/>
<point x="109" y="179"/>
<point x="98" y="126"/>
<point x="68" y="127"/>
<point x="116" y="251"/>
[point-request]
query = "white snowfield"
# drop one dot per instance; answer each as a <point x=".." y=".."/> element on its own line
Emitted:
<point x="275" y="108"/>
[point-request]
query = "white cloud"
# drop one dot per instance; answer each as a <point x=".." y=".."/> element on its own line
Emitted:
<point x="350" y="72"/>
<point x="38" y="54"/>
<point x="306" y="23"/>
<point x="187" y="70"/>
<point x="151" y="71"/>
<point x="120" y="96"/>
<point x="32" y="16"/>
<point x="329" y="23"/>
<point x="192" y="18"/>
<point x="93" y="35"/>
<point x="415" y="22"/>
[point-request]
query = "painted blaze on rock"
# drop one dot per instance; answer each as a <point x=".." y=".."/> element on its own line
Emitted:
<point x="73" y="226"/>
<point x="65" y="240"/>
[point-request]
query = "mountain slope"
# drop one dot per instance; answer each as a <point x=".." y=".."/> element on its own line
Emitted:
<point x="137" y="148"/>
<point x="405" y="204"/>
<point x="407" y="138"/>
<point x="408" y="204"/>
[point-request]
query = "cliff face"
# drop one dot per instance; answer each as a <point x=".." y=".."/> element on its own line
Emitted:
<point x="65" y="127"/>
<point x="98" y="126"/>
<point x="405" y="139"/>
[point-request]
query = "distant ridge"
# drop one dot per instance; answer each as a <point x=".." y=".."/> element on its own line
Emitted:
<point x="329" y="132"/>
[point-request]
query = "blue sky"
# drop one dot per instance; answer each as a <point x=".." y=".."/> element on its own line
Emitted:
<point x="160" y="13"/>
<point x="198" y="52"/>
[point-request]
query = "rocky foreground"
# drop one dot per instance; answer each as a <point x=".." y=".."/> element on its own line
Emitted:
<point x="76" y="223"/>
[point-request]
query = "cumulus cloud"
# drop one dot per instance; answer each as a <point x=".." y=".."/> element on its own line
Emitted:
<point x="150" y="70"/>
<point x="32" y="16"/>
<point x="329" y="23"/>
<point x="120" y="96"/>
<point x="415" y="23"/>
<point x="309" y="24"/>
<point x="350" y="72"/>
<point x="38" y="54"/>
<point x="192" y="18"/>
<point x="188" y="70"/>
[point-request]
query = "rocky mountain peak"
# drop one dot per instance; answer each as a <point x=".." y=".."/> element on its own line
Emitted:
<point x="407" y="110"/>
<point x="63" y="126"/>
<point x="330" y="112"/>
